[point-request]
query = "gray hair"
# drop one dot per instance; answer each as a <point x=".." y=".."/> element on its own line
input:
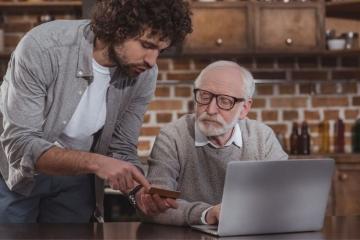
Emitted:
<point x="247" y="78"/>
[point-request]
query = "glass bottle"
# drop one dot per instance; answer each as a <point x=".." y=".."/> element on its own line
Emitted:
<point x="294" y="139"/>
<point x="304" y="140"/>
<point x="339" y="136"/>
<point x="324" y="137"/>
<point x="356" y="137"/>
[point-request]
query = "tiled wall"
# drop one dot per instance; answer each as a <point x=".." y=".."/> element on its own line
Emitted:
<point x="311" y="88"/>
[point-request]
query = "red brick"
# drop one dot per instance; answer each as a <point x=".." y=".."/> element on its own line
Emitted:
<point x="309" y="75"/>
<point x="279" y="128"/>
<point x="181" y="64"/>
<point x="200" y="64"/>
<point x="179" y="115"/>
<point x="331" y="114"/>
<point x="269" y="74"/>
<point x="182" y="76"/>
<point x="246" y="62"/>
<point x="290" y="115"/>
<point x="346" y="75"/>
<point x="307" y="88"/>
<point x="286" y="62"/>
<point x="349" y="87"/>
<point x="349" y="127"/>
<point x="308" y="62"/>
<point x="287" y="89"/>
<point x="258" y="103"/>
<point x="351" y="114"/>
<point x="328" y="61"/>
<point x="163" y="64"/>
<point x="183" y="92"/>
<point x="313" y="128"/>
<point x="162" y="91"/>
<point x="350" y="61"/>
<point x="330" y="101"/>
<point x="265" y="62"/>
<point x="165" y="105"/>
<point x="12" y="40"/>
<point x="328" y="88"/>
<point x="311" y="115"/>
<point x="269" y="115"/>
<point x="144" y="145"/>
<point x="252" y="115"/>
<point x="22" y="27"/>
<point x="191" y="106"/>
<point x="163" y="117"/>
<point x="149" y="131"/>
<point x="356" y="101"/>
<point x="293" y="102"/>
<point x="146" y="118"/>
<point x="264" y="89"/>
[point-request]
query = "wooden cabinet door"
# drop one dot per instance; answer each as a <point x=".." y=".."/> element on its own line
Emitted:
<point x="347" y="190"/>
<point x="219" y="28"/>
<point x="289" y="27"/>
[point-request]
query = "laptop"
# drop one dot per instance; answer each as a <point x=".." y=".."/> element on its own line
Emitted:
<point x="262" y="197"/>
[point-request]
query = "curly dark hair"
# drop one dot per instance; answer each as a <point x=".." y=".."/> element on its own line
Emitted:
<point x="118" y="20"/>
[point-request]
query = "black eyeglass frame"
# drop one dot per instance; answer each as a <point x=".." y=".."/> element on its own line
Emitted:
<point x="236" y="100"/>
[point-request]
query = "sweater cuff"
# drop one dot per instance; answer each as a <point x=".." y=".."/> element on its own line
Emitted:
<point x="203" y="216"/>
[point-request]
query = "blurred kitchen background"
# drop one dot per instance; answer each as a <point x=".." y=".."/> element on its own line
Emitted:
<point x="304" y="55"/>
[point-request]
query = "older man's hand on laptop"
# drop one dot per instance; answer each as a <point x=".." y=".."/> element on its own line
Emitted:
<point x="212" y="216"/>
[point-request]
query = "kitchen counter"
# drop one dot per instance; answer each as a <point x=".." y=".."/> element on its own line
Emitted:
<point x="335" y="228"/>
<point x="338" y="157"/>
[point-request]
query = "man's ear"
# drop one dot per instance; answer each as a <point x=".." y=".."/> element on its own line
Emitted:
<point x="246" y="108"/>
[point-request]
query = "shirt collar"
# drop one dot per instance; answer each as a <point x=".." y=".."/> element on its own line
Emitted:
<point x="202" y="140"/>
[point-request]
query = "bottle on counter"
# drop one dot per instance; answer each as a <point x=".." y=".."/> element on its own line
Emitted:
<point x="294" y="139"/>
<point x="324" y="137"/>
<point x="2" y="34"/>
<point x="356" y="137"/>
<point x="339" y="136"/>
<point x="304" y="140"/>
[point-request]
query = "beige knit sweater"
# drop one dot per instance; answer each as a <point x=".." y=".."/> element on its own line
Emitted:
<point x="199" y="172"/>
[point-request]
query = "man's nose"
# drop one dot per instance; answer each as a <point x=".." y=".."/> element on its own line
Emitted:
<point x="151" y="57"/>
<point x="212" y="108"/>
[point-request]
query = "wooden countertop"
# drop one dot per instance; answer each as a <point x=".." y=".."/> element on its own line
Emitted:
<point x="338" y="157"/>
<point x="335" y="228"/>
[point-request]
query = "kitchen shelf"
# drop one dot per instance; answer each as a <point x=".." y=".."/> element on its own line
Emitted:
<point x="349" y="9"/>
<point x="41" y="5"/>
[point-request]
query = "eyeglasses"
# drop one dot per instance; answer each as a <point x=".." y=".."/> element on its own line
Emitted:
<point x="224" y="102"/>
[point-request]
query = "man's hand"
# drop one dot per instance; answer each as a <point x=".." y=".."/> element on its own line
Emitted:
<point x="212" y="216"/>
<point x="152" y="205"/>
<point x="120" y="175"/>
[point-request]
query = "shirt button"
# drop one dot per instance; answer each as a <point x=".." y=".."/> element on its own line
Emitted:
<point x="64" y="122"/>
<point x="80" y="73"/>
<point x="80" y="92"/>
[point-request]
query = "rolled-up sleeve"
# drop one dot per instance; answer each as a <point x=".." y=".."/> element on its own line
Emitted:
<point x="23" y="96"/>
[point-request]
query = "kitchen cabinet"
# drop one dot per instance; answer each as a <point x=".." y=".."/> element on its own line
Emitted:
<point x="346" y="189"/>
<point x="220" y="28"/>
<point x="285" y="27"/>
<point x="344" y="199"/>
<point x="250" y="26"/>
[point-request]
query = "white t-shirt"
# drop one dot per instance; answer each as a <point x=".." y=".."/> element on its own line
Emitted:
<point x="90" y="114"/>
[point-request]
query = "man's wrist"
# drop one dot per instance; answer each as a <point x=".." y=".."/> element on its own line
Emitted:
<point x="132" y="195"/>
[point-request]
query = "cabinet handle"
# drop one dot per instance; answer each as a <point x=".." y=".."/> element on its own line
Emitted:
<point x="219" y="41"/>
<point x="343" y="177"/>
<point x="289" y="41"/>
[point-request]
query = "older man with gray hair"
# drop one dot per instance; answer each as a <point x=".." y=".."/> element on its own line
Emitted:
<point x="190" y="155"/>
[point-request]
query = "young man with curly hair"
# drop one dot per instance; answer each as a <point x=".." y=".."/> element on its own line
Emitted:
<point x="72" y="102"/>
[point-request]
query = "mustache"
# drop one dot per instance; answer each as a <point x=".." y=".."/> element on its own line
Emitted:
<point x="216" y="118"/>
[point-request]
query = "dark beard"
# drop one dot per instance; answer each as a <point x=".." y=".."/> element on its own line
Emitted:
<point x="123" y="67"/>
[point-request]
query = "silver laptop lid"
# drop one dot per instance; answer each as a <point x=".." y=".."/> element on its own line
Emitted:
<point x="275" y="196"/>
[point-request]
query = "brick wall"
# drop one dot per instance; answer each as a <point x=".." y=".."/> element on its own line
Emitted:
<point x="311" y="88"/>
